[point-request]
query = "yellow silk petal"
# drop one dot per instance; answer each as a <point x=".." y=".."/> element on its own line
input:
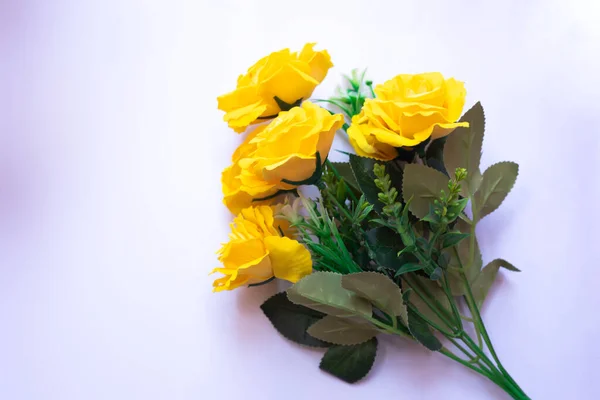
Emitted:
<point x="289" y="259"/>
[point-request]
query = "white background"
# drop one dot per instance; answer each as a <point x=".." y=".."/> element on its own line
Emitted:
<point x="111" y="148"/>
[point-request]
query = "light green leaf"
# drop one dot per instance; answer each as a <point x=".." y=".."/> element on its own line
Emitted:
<point x="482" y="284"/>
<point x="463" y="149"/>
<point x="419" y="329"/>
<point x="470" y="257"/>
<point x="342" y="331"/>
<point x="323" y="291"/>
<point x="350" y="363"/>
<point x="452" y="239"/>
<point x="497" y="181"/>
<point x="423" y="185"/>
<point x="379" y="290"/>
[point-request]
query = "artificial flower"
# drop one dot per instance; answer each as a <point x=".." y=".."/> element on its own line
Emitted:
<point x="407" y="110"/>
<point x="284" y="150"/>
<point x="278" y="79"/>
<point x="257" y="252"/>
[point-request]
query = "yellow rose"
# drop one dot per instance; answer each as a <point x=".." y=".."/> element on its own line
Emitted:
<point x="284" y="76"/>
<point x="407" y="110"/>
<point x="285" y="149"/>
<point x="256" y="252"/>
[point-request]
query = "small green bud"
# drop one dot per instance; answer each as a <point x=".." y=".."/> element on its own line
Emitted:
<point x="460" y="174"/>
<point x="369" y="82"/>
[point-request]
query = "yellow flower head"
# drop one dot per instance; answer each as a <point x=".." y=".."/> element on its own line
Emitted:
<point x="286" y="148"/>
<point x="256" y="251"/>
<point x="288" y="76"/>
<point x="407" y="110"/>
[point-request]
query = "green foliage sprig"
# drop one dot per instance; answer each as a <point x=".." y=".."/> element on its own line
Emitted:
<point x="395" y="248"/>
<point x="351" y="98"/>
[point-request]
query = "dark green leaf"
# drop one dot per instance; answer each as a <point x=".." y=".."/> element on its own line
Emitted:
<point x="292" y="320"/>
<point x="421" y="332"/>
<point x="350" y="363"/>
<point x="379" y="290"/>
<point x="452" y="238"/>
<point x="362" y="169"/>
<point x="345" y="171"/>
<point x="435" y="155"/>
<point x="482" y="284"/>
<point x="342" y="331"/>
<point x="423" y="185"/>
<point x="497" y="181"/>
<point x="323" y="291"/>
<point x="463" y="149"/>
<point x="406" y="268"/>
<point x="386" y="244"/>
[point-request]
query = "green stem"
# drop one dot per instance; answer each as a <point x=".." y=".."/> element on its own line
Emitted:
<point x="439" y="305"/>
<point x="480" y="328"/>
<point x="387" y="328"/>
<point x="429" y="322"/>
<point x="434" y="308"/>
<point x="341" y="208"/>
<point x="455" y="311"/>
<point x="454" y="357"/>
<point x="485" y="364"/>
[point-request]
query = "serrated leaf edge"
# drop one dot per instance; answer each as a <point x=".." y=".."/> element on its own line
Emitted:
<point x="327" y="344"/>
<point x="404" y="186"/>
<point x="507" y="193"/>
<point x="366" y="373"/>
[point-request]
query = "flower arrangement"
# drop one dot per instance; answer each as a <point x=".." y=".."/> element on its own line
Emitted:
<point x="389" y="245"/>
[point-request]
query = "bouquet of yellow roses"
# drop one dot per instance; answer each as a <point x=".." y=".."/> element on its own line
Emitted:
<point x="389" y="245"/>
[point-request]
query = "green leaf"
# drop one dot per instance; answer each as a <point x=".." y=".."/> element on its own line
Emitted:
<point x="362" y="168"/>
<point x="435" y="155"/>
<point x="471" y="266"/>
<point x="345" y="171"/>
<point x="431" y="216"/>
<point x="458" y="206"/>
<point x="386" y="243"/>
<point x="452" y="238"/>
<point x="463" y="149"/>
<point x="432" y="288"/>
<point x="350" y="363"/>
<point x="483" y="283"/>
<point x="497" y="181"/>
<point x="410" y="267"/>
<point x="323" y="291"/>
<point x="423" y="185"/>
<point x="342" y="331"/>
<point x="421" y="332"/>
<point x="292" y="320"/>
<point x="379" y="290"/>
